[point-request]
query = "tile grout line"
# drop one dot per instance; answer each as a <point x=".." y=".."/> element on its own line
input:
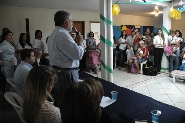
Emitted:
<point x="167" y="94"/>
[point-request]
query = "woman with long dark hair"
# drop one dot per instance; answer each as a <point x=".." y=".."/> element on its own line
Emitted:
<point x="38" y="43"/>
<point x="7" y="52"/>
<point x="159" y="44"/>
<point x="22" y="44"/>
<point x="122" y="48"/>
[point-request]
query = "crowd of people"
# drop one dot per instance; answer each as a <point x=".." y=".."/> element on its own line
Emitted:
<point x="47" y="74"/>
<point x="41" y="69"/>
<point x="137" y="48"/>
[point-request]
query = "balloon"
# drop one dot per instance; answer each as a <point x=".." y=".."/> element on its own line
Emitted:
<point x="181" y="9"/>
<point x="175" y="14"/>
<point x="115" y="9"/>
<point x="181" y="3"/>
<point x="128" y="31"/>
<point x="124" y="28"/>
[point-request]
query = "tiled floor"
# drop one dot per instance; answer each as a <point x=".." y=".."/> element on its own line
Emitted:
<point x="158" y="87"/>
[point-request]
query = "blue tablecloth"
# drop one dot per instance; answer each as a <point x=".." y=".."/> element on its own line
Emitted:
<point x="133" y="105"/>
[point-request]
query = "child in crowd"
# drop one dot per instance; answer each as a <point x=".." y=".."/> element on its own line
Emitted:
<point x="170" y="50"/>
<point x="129" y="52"/>
<point x="136" y="57"/>
<point x="182" y="67"/>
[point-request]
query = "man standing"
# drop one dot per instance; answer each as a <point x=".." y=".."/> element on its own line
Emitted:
<point x="65" y="53"/>
<point x="27" y="59"/>
<point x="131" y="39"/>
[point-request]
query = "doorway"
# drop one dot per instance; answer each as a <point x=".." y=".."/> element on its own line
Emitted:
<point x="80" y="26"/>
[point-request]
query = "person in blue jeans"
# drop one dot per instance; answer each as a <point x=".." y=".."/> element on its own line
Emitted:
<point x="174" y="60"/>
<point x="122" y="48"/>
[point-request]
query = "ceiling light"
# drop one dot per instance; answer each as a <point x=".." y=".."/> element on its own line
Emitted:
<point x="156" y="11"/>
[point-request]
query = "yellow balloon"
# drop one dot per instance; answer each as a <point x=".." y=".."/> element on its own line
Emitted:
<point x="175" y="14"/>
<point x="115" y="9"/>
<point x="124" y="28"/>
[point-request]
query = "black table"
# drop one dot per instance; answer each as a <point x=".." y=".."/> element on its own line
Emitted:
<point x="133" y="105"/>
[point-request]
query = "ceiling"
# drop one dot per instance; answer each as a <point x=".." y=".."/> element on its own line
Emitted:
<point x="139" y="8"/>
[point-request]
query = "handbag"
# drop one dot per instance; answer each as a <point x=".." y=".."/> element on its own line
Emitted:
<point x="133" y="68"/>
<point x="168" y="50"/>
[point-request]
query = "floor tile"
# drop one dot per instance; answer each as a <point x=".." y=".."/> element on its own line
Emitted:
<point x="156" y="91"/>
<point x="162" y="98"/>
<point x="177" y="98"/>
<point x="141" y="90"/>
<point x="146" y="94"/>
<point x="180" y="85"/>
<point x="169" y="103"/>
<point x="154" y="85"/>
<point x="168" y="85"/>
<point x="180" y="105"/>
<point x="183" y="91"/>
<point x="173" y="91"/>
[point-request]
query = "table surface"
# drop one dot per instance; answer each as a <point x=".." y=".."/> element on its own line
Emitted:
<point x="133" y="105"/>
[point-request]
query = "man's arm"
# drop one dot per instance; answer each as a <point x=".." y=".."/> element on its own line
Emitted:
<point x="69" y="47"/>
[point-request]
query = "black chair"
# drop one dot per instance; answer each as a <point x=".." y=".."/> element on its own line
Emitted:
<point x="2" y="88"/>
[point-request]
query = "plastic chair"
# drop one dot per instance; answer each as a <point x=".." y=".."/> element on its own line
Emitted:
<point x="17" y="102"/>
<point x="141" y="66"/>
<point x="2" y="88"/>
<point x="16" y="89"/>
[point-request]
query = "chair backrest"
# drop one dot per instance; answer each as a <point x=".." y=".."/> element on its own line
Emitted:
<point x="16" y="89"/>
<point x="17" y="102"/>
<point x="2" y="81"/>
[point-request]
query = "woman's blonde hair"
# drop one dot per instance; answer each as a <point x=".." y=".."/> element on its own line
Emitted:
<point x="81" y="102"/>
<point x="36" y="90"/>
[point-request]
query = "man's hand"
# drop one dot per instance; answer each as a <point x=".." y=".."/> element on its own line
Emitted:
<point x="79" y="39"/>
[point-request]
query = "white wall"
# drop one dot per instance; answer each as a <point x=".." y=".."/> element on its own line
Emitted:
<point x="42" y="19"/>
<point x="137" y="20"/>
<point x="39" y="19"/>
<point x="95" y="28"/>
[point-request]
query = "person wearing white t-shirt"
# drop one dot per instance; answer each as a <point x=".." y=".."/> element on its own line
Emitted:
<point x="159" y="44"/>
<point x="38" y="43"/>
<point x="122" y="47"/>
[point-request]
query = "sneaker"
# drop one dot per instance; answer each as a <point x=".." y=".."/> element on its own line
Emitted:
<point x="170" y="75"/>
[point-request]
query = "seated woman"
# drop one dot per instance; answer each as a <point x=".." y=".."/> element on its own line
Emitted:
<point x="36" y="108"/>
<point x="81" y="102"/>
<point x="143" y="53"/>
